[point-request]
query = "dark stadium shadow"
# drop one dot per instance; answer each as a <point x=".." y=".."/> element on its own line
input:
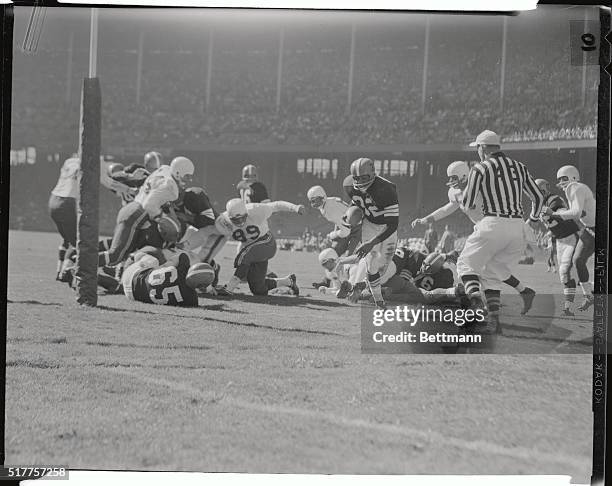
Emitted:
<point x="32" y="302"/>
<point x="281" y="300"/>
<point x="221" y="321"/>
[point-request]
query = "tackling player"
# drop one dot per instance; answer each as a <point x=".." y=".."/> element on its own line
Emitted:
<point x="377" y="198"/>
<point x="457" y="173"/>
<point x="581" y="207"/>
<point x="62" y="209"/>
<point x="248" y="224"/>
<point x="564" y="234"/>
<point x="251" y="190"/>
<point x="162" y="187"/>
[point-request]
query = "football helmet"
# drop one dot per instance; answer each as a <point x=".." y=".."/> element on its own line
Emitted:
<point x="153" y="161"/>
<point x="353" y="216"/>
<point x="316" y="195"/>
<point x="249" y="173"/>
<point x="432" y="264"/>
<point x="182" y="170"/>
<point x="544" y="185"/>
<point x="566" y="175"/>
<point x="457" y="173"/>
<point x="236" y="211"/>
<point x="327" y="255"/>
<point x="363" y="172"/>
<point x="113" y="168"/>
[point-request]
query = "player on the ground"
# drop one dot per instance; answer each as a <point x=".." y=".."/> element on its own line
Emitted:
<point x="564" y="233"/>
<point x="62" y="209"/>
<point x="377" y="198"/>
<point x="497" y="182"/>
<point x="581" y="208"/>
<point x="344" y="238"/>
<point x="163" y="186"/>
<point x="250" y="188"/>
<point x="248" y="224"/>
<point x="457" y="173"/>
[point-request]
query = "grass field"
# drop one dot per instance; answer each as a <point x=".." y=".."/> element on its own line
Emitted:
<point x="276" y="385"/>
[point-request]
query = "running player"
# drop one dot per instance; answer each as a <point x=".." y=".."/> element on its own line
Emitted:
<point x="248" y="224"/>
<point x="252" y="190"/>
<point x="457" y="173"/>
<point x="377" y="198"/>
<point x="581" y="208"/>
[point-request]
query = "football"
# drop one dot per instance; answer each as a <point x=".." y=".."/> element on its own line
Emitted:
<point x="200" y="275"/>
<point x="170" y="228"/>
<point x="353" y="216"/>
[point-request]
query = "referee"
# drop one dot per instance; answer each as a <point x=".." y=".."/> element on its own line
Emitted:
<point x="498" y="238"/>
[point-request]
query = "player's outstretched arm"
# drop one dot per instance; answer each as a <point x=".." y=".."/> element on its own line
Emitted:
<point x="438" y="214"/>
<point x="284" y="206"/>
<point x="576" y="200"/>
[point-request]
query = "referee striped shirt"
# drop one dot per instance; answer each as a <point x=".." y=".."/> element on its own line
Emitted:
<point x="501" y="182"/>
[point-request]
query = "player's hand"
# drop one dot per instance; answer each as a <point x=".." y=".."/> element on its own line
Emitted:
<point x="417" y="221"/>
<point x="547" y="211"/>
<point x="301" y="209"/>
<point x="363" y="249"/>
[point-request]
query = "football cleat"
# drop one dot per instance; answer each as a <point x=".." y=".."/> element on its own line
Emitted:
<point x="586" y="303"/>
<point x="355" y="294"/>
<point x="344" y="290"/>
<point x="294" y="286"/>
<point x="567" y="312"/>
<point x="223" y="291"/>
<point x="527" y="295"/>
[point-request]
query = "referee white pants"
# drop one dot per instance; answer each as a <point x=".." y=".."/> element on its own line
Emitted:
<point x="495" y="244"/>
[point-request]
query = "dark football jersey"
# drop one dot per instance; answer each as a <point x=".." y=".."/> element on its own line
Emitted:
<point x="194" y="208"/>
<point x="252" y="192"/>
<point x="559" y="228"/>
<point x="407" y="262"/>
<point x="379" y="201"/>
<point x="165" y="285"/>
<point x="133" y="175"/>
<point x="442" y="280"/>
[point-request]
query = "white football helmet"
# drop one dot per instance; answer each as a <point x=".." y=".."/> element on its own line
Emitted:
<point x="236" y="211"/>
<point x="363" y="172"/>
<point x="182" y="170"/>
<point x="566" y="175"/>
<point x="316" y="195"/>
<point x="457" y="173"/>
<point x="327" y="255"/>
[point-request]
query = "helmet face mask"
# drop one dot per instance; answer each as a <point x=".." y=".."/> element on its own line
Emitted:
<point x="317" y="201"/>
<point x="236" y="212"/>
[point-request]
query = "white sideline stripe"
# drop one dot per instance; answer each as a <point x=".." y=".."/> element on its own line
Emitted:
<point x="479" y="446"/>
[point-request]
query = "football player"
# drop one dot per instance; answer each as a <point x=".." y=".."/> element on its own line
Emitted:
<point x="564" y="234"/>
<point x="62" y="209"/>
<point x="152" y="279"/>
<point x="252" y="190"/>
<point x="457" y="173"/>
<point x="581" y="204"/>
<point x="163" y="186"/>
<point x="377" y="198"/>
<point x="248" y="224"/>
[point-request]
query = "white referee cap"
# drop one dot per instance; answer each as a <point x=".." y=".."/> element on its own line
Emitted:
<point x="486" y="138"/>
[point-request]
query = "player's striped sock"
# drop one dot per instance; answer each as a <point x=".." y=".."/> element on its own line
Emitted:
<point x="471" y="284"/>
<point x="515" y="282"/>
<point x="493" y="301"/>
<point x="569" y="293"/>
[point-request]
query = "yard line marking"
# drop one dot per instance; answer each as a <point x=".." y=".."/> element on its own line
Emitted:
<point x="478" y="446"/>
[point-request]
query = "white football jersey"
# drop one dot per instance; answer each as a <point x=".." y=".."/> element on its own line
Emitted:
<point x="68" y="182"/>
<point x="256" y="224"/>
<point x="333" y="210"/>
<point x="455" y="196"/>
<point x="158" y="189"/>
<point x="581" y="203"/>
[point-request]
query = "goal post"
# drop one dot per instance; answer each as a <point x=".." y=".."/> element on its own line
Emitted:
<point x="89" y="193"/>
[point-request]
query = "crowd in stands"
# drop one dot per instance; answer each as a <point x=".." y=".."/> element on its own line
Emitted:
<point x="543" y="98"/>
